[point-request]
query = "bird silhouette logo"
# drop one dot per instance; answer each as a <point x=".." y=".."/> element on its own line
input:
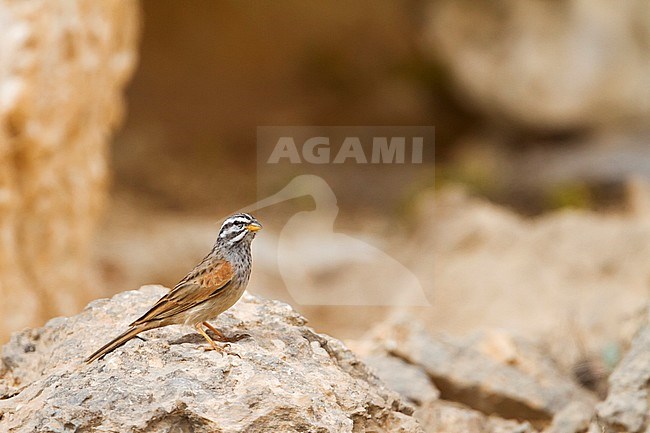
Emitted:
<point x="320" y="266"/>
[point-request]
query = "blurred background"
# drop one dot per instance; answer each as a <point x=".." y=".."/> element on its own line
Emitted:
<point x="129" y="132"/>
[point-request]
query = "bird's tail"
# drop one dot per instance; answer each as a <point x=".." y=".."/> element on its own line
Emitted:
<point x="117" y="342"/>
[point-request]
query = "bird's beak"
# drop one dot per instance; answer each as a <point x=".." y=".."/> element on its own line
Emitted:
<point x="253" y="227"/>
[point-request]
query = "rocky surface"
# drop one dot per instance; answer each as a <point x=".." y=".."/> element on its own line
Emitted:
<point x="574" y="418"/>
<point x="487" y="382"/>
<point x="444" y="416"/>
<point x="411" y="381"/>
<point x="284" y="378"/>
<point x="494" y="373"/>
<point x="63" y="67"/>
<point x="573" y="280"/>
<point x="626" y="407"/>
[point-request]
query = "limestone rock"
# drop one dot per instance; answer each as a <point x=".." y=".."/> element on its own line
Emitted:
<point x="415" y="385"/>
<point x="569" y="279"/>
<point x="626" y="407"/>
<point x="574" y="418"/>
<point x="63" y="66"/>
<point x="564" y="64"/>
<point x="442" y="416"/>
<point x="492" y="373"/>
<point x="283" y="378"/>
<point x="410" y="381"/>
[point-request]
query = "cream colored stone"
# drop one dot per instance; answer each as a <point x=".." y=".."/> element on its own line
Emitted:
<point x="169" y="383"/>
<point x="560" y="64"/>
<point x="63" y="66"/>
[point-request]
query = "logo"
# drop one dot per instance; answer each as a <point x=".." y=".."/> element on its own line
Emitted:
<point x="313" y="178"/>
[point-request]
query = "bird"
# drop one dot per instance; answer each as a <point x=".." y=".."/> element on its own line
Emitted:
<point x="212" y="287"/>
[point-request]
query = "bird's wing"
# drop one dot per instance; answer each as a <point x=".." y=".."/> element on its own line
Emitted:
<point x="200" y="285"/>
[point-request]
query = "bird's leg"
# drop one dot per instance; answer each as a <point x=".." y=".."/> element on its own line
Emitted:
<point x="207" y="337"/>
<point x="218" y="333"/>
<point x="222" y="337"/>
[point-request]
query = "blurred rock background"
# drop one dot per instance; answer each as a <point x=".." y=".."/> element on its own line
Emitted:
<point x="537" y="106"/>
<point x="63" y="67"/>
<point x="540" y="108"/>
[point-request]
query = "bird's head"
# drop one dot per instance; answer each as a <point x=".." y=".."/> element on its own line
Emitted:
<point x="239" y="227"/>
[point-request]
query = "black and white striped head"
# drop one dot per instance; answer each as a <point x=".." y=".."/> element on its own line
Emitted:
<point x="238" y="227"/>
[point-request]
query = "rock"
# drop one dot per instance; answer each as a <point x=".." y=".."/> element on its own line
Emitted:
<point x="64" y="67"/>
<point x="493" y="373"/>
<point x="557" y="65"/>
<point x="626" y="406"/>
<point x="574" y="418"/>
<point x="410" y="381"/>
<point x="441" y="416"/>
<point x="438" y="414"/>
<point x="569" y="279"/>
<point x="284" y="378"/>
<point x="452" y="417"/>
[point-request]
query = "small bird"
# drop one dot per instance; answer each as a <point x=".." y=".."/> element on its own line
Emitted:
<point x="211" y="288"/>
